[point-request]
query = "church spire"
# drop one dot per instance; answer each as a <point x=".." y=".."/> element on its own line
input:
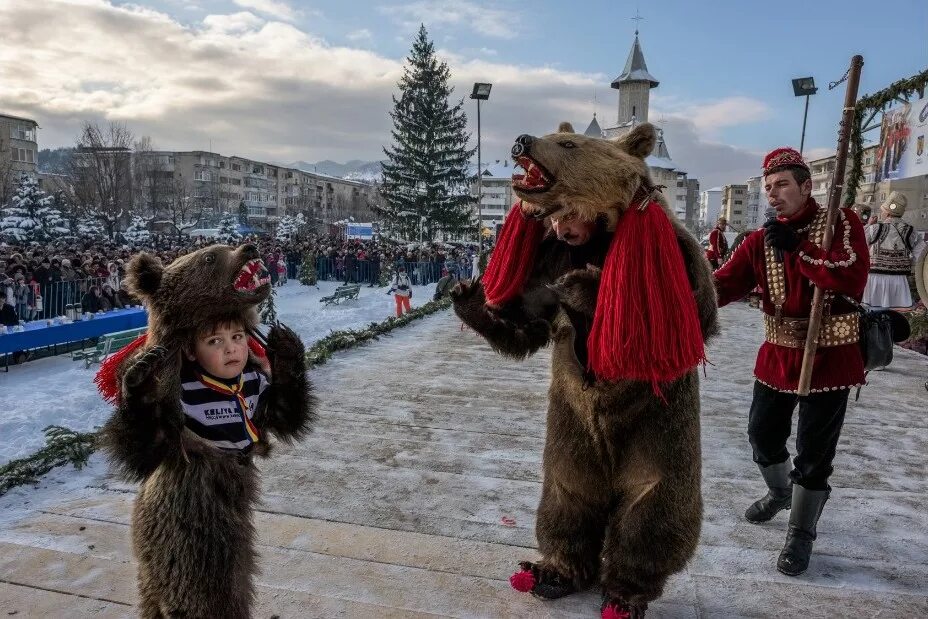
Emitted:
<point x="636" y="70"/>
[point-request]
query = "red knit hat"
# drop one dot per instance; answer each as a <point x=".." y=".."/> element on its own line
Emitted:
<point x="782" y="158"/>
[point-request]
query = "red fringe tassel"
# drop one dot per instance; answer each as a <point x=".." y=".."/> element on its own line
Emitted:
<point x="514" y="257"/>
<point x="646" y="325"/>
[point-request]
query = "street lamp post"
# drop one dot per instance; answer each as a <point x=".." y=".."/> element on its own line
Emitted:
<point x="804" y="87"/>
<point x="481" y="92"/>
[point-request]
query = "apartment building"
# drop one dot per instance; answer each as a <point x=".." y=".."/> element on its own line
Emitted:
<point x="19" y="151"/>
<point x="497" y="196"/>
<point x="734" y="205"/>
<point x="213" y="184"/>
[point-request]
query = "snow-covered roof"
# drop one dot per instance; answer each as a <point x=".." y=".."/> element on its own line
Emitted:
<point x="635" y="68"/>
<point x="594" y="130"/>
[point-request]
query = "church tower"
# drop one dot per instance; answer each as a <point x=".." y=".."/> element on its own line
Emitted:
<point x="634" y="86"/>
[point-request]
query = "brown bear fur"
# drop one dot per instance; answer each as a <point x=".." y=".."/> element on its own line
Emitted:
<point x="192" y="528"/>
<point x="621" y="499"/>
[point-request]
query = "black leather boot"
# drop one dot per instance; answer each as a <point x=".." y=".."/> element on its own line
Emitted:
<point x="779" y="492"/>
<point x="806" y="510"/>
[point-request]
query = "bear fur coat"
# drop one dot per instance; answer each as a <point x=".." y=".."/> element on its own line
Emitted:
<point x="621" y="500"/>
<point x="192" y="530"/>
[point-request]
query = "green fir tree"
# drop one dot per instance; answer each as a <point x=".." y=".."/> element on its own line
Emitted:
<point x="425" y="180"/>
<point x="268" y="311"/>
<point x="308" y="275"/>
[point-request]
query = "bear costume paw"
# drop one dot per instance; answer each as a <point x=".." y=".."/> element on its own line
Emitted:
<point x="145" y="367"/>
<point x="542" y="582"/>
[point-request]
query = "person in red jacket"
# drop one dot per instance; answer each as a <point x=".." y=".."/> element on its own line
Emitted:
<point x="718" y="244"/>
<point x="785" y="258"/>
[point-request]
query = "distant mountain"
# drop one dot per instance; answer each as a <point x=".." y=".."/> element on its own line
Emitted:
<point x="353" y="170"/>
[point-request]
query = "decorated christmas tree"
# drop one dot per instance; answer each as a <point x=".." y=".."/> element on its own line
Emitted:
<point x="31" y="215"/>
<point x="308" y="274"/>
<point x="137" y="233"/>
<point x="228" y="230"/>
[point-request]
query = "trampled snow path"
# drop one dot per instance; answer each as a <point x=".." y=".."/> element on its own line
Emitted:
<point x="58" y="391"/>
<point x="417" y="493"/>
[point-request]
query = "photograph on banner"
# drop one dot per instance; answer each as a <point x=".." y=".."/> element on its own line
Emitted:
<point x="902" y="142"/>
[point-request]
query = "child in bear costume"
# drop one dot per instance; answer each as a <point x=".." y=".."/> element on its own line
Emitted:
<point x="627" y="313"/>
<point x="189" y="435"/>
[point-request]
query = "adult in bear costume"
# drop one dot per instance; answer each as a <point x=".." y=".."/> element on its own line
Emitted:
<point x="627" y="313"/>
<point x="192" y="528"/>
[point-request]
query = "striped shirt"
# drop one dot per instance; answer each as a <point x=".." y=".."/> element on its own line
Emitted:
<point x="220" y="411"/>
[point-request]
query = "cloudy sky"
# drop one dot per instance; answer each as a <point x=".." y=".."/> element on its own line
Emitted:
<point x="283" y="80"/>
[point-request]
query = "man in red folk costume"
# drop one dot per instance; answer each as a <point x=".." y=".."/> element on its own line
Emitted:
<point x="718" y="244"/>
<point x="785" y="259"/>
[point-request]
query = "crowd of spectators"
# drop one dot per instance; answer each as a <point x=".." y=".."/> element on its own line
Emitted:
<point x="43" y="281"/>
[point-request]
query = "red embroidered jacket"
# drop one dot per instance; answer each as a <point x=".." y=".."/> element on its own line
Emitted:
<point x="842" y="270"/>
<point x="716" y="251"/>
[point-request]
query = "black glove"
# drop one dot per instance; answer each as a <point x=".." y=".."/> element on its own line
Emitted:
<point x="780" y="236"/>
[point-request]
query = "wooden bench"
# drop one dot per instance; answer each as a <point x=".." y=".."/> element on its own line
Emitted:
<point x="107" y="345"/>
<point x="348" y="291"/>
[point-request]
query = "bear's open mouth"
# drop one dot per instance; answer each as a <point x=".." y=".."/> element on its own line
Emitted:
<point x="535" y="179"/>
<point x="252" y="276"/>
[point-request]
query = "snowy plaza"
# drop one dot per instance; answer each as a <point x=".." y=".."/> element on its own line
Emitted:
<point x="416" y="494"/>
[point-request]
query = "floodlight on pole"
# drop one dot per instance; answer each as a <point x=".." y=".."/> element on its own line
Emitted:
<point x="481" y="92"/>
<point x="804" y="87"/>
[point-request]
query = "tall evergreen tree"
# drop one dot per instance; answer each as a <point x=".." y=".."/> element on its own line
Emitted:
<point x="425" y="182"/>
<point x="31" y="215"/>
<point x="228" y="230"/>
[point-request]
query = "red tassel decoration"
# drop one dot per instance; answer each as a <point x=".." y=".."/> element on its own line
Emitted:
<point x="523" y="581"/>
<point x="646" y="325"/>
<point x="612" y="611"/>
<point x="105" y="378"/>
<point x="514" y="257"/>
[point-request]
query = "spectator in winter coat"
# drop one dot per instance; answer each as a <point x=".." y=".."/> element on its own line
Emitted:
<point x="21" y="297"/>
<point x="444" y="285"/>
<point x="402" y="291"/>
<point x="92" y="301"/>
<point x="109" y="299"/>
<point x="8" y="315"/>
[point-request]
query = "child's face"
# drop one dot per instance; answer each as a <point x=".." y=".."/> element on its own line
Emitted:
<point x="224" y="352"/>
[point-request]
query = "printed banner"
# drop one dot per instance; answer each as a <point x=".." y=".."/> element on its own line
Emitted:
<point x="902" y="142"/>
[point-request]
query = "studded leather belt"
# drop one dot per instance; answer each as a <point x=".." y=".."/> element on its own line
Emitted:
<point x="836" y="330"/>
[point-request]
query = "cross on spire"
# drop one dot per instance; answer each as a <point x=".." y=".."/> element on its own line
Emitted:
<point x="637" y="18"/>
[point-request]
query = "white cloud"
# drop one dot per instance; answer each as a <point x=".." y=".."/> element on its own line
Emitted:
<point x="267" y="90"/>
<point x="275" y="8"/>
<point x="710" y="116"/>
<point x="360" y="35"/>
<point x="481" y="19"/>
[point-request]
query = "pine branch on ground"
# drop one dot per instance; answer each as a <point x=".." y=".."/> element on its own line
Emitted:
<point x="61" y="447"/>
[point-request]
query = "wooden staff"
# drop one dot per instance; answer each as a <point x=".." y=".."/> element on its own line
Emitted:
<point x="834" y="201"/>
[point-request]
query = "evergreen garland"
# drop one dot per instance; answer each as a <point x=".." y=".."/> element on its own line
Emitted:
<point x="63" y="445"/>
<point x="426" y="186"/>
<point x="868" y="103"/>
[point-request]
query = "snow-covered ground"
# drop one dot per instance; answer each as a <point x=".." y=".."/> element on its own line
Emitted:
<point x="58" y="391"/>
<point x="417" y="492"/>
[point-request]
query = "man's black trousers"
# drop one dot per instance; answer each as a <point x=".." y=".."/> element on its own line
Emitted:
<point x="821" y="416"/>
